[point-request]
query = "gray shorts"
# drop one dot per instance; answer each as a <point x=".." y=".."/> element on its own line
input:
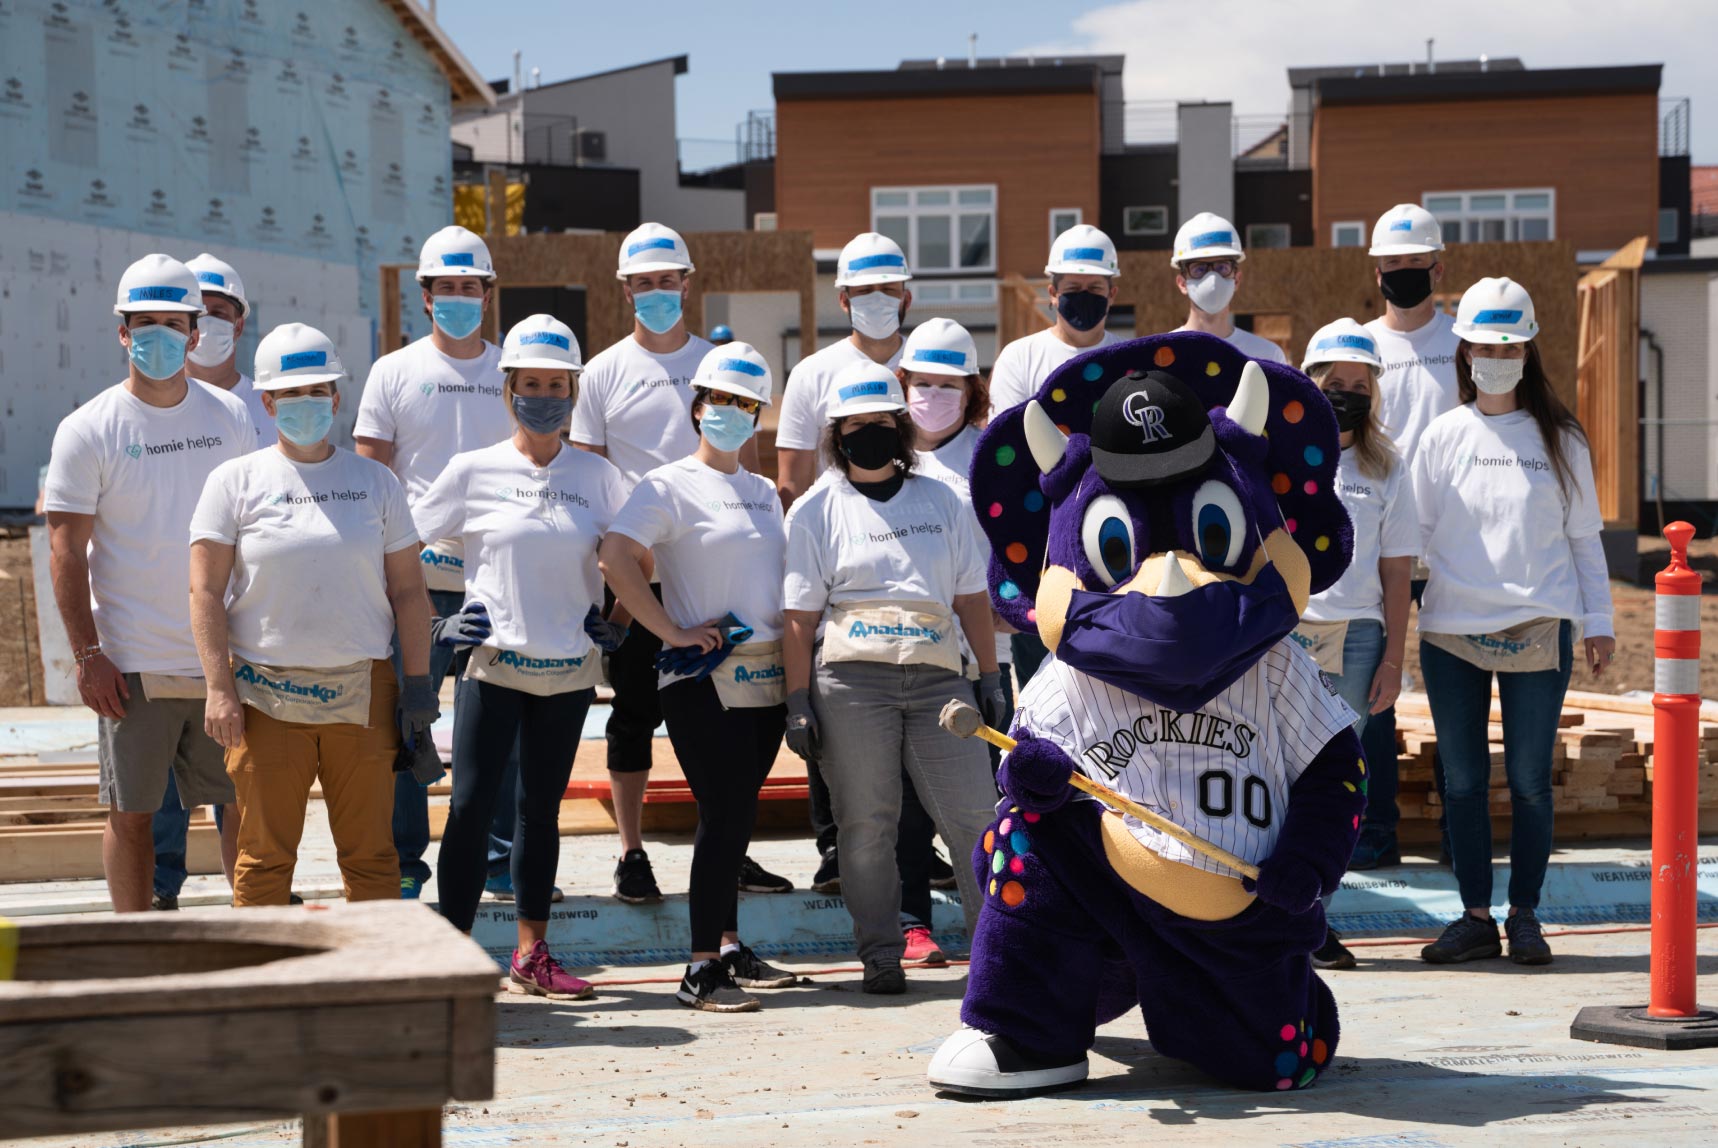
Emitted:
<point x="137" y="750"/>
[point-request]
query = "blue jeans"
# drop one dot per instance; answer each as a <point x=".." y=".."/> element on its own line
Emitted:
<point x="1460" y="695"/>
<point x="171" y="825"/>
<point x="411" y="801"/>
<point x="1362" y="651"/>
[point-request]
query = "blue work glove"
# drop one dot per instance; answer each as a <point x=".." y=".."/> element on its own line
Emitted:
<point x="691" y="662"/>
<point x="606" y="634"/>
<point x="1035" y="774"/>
<point x="1287" y="882"/>
<point x="426" y="765"/>
<point x="469" y="626"/>
<point x="803" y="736"/>
<point x="993" y="699"/>
<point x="419" y="706"/>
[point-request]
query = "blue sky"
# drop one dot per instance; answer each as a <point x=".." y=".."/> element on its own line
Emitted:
<point x="1235" y="50"/>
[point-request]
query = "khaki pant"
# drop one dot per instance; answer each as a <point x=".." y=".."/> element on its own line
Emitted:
<point x="273" y="769"/>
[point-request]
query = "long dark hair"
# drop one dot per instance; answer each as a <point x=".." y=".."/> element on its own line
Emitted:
<point x="1536" y="397"/>
<point x="906" y="456"/>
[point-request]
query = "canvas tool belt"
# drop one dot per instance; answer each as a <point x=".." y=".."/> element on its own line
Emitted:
<point x="159" y="686"/>
<point x="1323" y="640"/>
<point x="894" y="633"/>
<point x="752" y="676"/>
<point x="1522" y="649"/>
<point x="543" y="677"/>
<point x="307" y="695"/>
<point x="444" y="565"/>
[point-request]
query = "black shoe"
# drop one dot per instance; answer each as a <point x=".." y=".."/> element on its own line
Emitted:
<point x="1526" y="943"/>
<point x="750" y="972"/>
<point x="884" y="975"/>
<point x="1375" y="854"/>
<point x="711" y="989"/>
<point x="1468" y="938"/>
<point x="634" y="881"/>
<point x="164" y="903"/>
<point x="827" y="879"/>
<point x="291" y="899"/>
<point x="1333" y="954"/>
<point x="942" y="873"/>
<point x="754" y="878"/>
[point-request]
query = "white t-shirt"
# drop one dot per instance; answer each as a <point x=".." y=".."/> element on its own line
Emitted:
<point x="1023" y="365"/>
<point x="431" y="408"/>
<point x="139" y="470"/>
<point x="245" y="391"/>
<point x="638" y="405"/>
<point x="308" y="586"/>
<point x="805" y="403"/>
<point x="1222" y="772"/>
<point x="1419" y="379"/>
<point x="530" y="538"/>
<point x="1385" y="526"/>
<point x="1496" y="527"/>
<point x="952" y="463"/>
<point x="1251" y="345"/>
<point x="845" y="548"/>
<point x="718" y="540"/>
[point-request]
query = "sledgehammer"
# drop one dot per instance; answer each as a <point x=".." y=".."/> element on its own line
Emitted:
<point x="963" y="720"/>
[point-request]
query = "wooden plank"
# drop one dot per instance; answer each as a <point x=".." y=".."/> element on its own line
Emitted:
<point x="471" y="1048"/>
<point x="418" y="1128"/>
<point x="62" y="853"/>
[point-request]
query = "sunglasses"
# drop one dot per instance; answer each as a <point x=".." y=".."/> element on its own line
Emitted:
<point x="723" y="399"/>
<point x="1223" y="267"/>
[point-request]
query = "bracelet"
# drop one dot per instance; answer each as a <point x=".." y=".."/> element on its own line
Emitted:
<point x="85" y="654"/>
<point x="1392" y="665"/>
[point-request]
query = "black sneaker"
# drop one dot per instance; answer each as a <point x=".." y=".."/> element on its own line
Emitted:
<point x="710" y="988"/>
<point x="1375" y="854"/>
<point x="827" y="879"/>
<point x="164" y="903"/>
<point x="634" y="880"/>
<point x="942" y="873"/>
<point x="1526" y="943"/>
<point x="291" y="899"/>
<point x="1467" y="938"/>
<point x="754" y="878"/>
<point x="1333" y="954"/>
<point x="884" y="975"/>
<point x="751" y="972"/>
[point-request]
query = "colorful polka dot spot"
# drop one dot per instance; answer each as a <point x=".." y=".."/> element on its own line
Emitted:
<point x="990" y="840"/>
<point x="997" y="861"/>
<point x="1349" y="786"/>
<point x="1005" y="455"/>
<point x="1063" y="427"/>
<point x="1292" y="526"/>
<point x="1009" y="591"/>
<point x="1019" y="842"/>
<point x="1293" y="412"/>
<point x="1306" y="1077"/>
<point x="1321" y="543"/>
<point x="1032" y="818"/>
<point x="1280" y="483"/>
<point x="1005" y="827"/>
<point x="1164" y="357"/>
<point x="1016" y="866"/>
<point x="1320" y="1052"/>
<point x="1058" y="395"/>
<point x="1361" y="765"/>
<point x="1213" y="369"/>
<point x="1310" y="487"/>
<point x="1034" y="501"/>
<point x="1093" y="372"/>
<point x="1016" y="552"/>
<point x="1289" y="1032"/>
<point x="996" y="510"/>
<point x="1313" y="456"/>
<point x="1286" y="1063"/>
<point x="993" y="886"/>
<point x="1013" y="893"/>
<point x="1032" y="615"/>
<point x="1284" y="1084"/>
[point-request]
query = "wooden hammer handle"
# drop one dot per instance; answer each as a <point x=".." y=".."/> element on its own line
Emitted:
<point x="1116" y="801"/>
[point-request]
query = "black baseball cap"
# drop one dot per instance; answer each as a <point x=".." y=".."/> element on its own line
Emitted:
<point x="1150" y="428"/>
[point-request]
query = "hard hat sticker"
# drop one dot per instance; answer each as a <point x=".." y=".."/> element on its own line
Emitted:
<point x="303" y="359"/>
<point x="663" y="243"/>
<point x="458" y="259"/>
<point x="934" y="355"/>
<point x="860" y="390"/>
<point x="741" y="366"/>
<point x="866" y="262"/>
<point x="548" y="337"/>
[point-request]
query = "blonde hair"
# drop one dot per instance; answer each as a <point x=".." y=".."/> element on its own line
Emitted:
<point x="1377" y="455"/>
<point x="507" y="386"/>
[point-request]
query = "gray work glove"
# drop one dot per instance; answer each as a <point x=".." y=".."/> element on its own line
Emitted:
<point x="419" y="706"/>
<point x="993" y="699"/>
<point x="803" y="736"/>
<point x="468" y="626"/>
<point x="606" y="634"/>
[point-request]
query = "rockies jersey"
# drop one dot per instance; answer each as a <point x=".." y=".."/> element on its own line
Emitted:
<point x="1222" y="772"/>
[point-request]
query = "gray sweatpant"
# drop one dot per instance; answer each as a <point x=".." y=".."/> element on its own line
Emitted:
<point x="876" y="719"/>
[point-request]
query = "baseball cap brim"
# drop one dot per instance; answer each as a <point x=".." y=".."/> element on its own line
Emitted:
<point x="1131" y="470"/>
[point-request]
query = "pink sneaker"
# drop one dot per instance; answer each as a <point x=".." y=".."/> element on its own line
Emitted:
<point x="540" y="974"/>
<point x="921" y="948"/>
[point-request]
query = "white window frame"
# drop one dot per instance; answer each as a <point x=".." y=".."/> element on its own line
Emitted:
<point x="1675" y="217"/>
<point x="1079" y="218"/>
<point x="1139" y="231"/>
<point x="1359" y="226"/>
<point x="1511" y="216"/>
<point x="1288" y="230"/>
<point x="952" y="213"/>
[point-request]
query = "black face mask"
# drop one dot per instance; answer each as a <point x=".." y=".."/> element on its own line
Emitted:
<point x="1082" y="309"/>
<point x="1351" y="408"/>
<point x="1406" y="286"/>
<point x="871" y="446"/>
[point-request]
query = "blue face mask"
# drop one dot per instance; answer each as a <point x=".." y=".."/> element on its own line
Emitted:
<point x="542" y="414"/>
<point x="306" y="420"/>
<point x="657" y="310"/>
<point x="725" y="428"/>
<point x="158" y="352"/>
<point x="456" y="315"/>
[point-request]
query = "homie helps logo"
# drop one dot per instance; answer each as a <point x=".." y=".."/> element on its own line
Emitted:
<point x="286" y="686"/>
<point x="195" y="442"/>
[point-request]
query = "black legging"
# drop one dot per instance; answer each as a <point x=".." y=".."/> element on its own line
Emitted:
<point x="725" y="755"/>
<point x="487" y="721"/>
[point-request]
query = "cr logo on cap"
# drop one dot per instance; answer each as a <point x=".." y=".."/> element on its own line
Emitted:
<point x="1140" y="411"/>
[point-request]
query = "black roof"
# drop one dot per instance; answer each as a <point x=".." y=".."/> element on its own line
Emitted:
<point x="681" y="64"/>
<point x="951" y="81"/>
<point x="1107" y="64"/>
<point x="1305" y="77"/>
<point x="1489" y="85"/>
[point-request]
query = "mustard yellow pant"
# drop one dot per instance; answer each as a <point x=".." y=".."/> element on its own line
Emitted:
<point x="273" y="769"/>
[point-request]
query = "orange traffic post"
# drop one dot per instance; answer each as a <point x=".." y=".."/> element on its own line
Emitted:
<point x="1672" y="1019"/>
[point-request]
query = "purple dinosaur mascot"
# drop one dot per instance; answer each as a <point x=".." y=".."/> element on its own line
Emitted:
<point x="1158" y="514"/>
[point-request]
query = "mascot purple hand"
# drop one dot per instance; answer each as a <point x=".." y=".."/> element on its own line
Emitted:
<point x="1159" y="514"/>
<point x="1035" y="774"/>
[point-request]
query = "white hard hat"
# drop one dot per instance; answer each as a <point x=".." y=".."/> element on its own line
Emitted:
<point x="454" y="251"/>
<point x="1344" y="341"/>
<point x="1496" y="311"/>
<point x="871" y="258"/>
<point x="296" y="355"/>
<point x="861" y="388"/>
<point x="737" y="369"/>
<point x="652" y="247"/>
<point x="158" y="283"/>
<point x="220" y="278"/>
<point x="542" y="341"/>
<point x="1082" y="250"/>
<point x="1406" y="229"/>
<point x="940" y="347"/>
<point x="1207" y="236"/>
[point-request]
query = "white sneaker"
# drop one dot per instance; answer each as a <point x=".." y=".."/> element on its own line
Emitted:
<point x="984" y="1064"/>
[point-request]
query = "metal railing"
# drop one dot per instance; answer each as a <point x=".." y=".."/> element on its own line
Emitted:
<point x="1147" y="123"/>
<point x="1673" y="125"/>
